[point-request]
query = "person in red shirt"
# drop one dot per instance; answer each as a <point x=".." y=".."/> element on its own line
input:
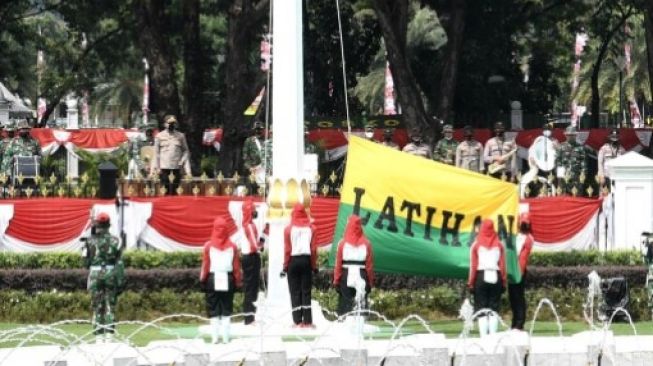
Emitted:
<point x="299" y="264"/>
<point x="524" y="244"/>
<point x="220" y="276"/>
<point x="487" y="275"/>
<point x="250" y="246"/>
<point x="354" y="266"/>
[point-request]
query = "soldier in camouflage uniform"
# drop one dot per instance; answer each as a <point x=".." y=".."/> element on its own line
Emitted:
<point x="253" y="150"/>
<point x="24" y="145"/>
<point x="445" y="149"/>
<point x="571" y="163"/>
<point x="138" y="167"/>
<point x="469" y="153"/>
<point x="106" y="278"/>
<point x="607" y="152"/>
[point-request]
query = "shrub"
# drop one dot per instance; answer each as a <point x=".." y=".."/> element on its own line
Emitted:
<point x="139" y="259"/>
<point x="434" y="303"/>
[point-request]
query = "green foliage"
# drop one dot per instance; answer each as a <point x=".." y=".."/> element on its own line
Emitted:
<point x="150" y="259"/>
<point x="586" y="258"/>
<point x="434" y="303"/>
<point x="138" y="259"/>
<point x="91" y="162"/>
<point x="209" y="164"/>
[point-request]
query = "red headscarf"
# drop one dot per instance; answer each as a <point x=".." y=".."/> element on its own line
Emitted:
<point x="248" y="212"/>
<point x="487" y="237"/>
<point x="220" y="233"/>
<point x="230" y="224"/>
<point x="354" y="231"/>
<point x="299" y="216"/>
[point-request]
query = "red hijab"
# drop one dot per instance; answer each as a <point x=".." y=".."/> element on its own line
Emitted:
<point x="220" y="233"/>
<point x="299" y="217"/>
<point x="487" y="237"/>
<point x="354" y="231"/>
<point x="248" y="212"/>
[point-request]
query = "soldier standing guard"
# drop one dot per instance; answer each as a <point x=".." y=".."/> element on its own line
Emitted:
<point x="170" y="154"/>
<point x="24" y="145"/>
<point x="571" y="164"/>
<point x="608" y="151"/>
<point x="106" y="278"/>
<point x="469" y="153"/>
<point x="500" y="154"/>
<point x="137" y="165"/>
<point x="416" y="147"/>
<point x="387" y="139"/>
<point x="253" y="151"/>
<point x="445" y="149"/>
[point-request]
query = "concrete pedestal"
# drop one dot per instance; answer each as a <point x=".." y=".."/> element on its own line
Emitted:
<point x="632" y="175"/>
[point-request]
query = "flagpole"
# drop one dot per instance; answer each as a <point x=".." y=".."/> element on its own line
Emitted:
<point x="146" y="93"/>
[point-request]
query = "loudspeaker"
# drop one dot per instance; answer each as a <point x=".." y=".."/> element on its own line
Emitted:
<point x="108" y="177"/>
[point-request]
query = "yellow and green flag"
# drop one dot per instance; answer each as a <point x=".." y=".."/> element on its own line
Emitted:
<point x="420" y="215"/>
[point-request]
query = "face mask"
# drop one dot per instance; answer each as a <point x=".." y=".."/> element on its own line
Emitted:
<point x="24" y="134"/>
<point x="499" y="133"/>
<point x="546" y="133"/>
<point x="369" y="135"/>
<point x="387" y="138"/>
<point x="171" y="127"/>
<point x="416" y="140"/>
<point x="468" y="137"/>
<point x="448" y="136"/>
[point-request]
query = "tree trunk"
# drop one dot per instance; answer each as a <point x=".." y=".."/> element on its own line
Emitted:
<point x="596" y="71"/>
<point x="393" y="20"/>
<point x="455" y="33"/>
<point x="241" y="84"/>
<point x="648" y="24"/>
<point x="194" y="85"/>
<point x="151" y="23"/>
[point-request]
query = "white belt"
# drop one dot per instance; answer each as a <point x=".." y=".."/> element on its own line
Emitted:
<point x="99" y="268"/>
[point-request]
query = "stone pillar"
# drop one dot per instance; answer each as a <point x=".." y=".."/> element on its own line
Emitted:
<point x="632" y="176"/>
<point x="516" y="115"/>
<point x="72" y="124"/>
<point x="288" y="143"/>
<point x="4" y="110"/>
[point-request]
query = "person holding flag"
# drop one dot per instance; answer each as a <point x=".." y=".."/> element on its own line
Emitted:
<point x="487" y="276"/>
<point x="299" y="264"/>
<point x="354" y="269"/>
<point x="516" y="289"/>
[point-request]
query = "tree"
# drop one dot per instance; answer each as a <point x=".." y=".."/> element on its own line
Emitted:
<point x="393" y="20"/>
<point x="152" y="23"/>
<point x="243" y="78"/>
<point x="455" y="28"/>
<point x="607" y="21"/>
<point x="648" y="24"/>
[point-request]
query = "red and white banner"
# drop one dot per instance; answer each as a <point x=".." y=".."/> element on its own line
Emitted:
<point x="184" y="223"/>
<point x="389" y="107"/>
<point x="563" y="223"/>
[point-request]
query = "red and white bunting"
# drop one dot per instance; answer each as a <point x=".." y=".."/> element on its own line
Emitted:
<point x="389" y="107"/>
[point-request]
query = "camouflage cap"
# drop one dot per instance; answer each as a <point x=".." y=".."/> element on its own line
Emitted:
<point x="447" y="128"/>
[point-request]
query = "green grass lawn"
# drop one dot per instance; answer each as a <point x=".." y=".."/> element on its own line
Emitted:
<point x="70" y="333"/>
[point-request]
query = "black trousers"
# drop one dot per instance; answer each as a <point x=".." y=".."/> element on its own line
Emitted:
<point x="165" y="182"/>
<point x="517" y="304"/>
<point x="219" y="303"/>
<point x="300" y="282"/>
<point x="251" y="283"/>
<point x="487" y="295"/>
<point x="347" y="295"/>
